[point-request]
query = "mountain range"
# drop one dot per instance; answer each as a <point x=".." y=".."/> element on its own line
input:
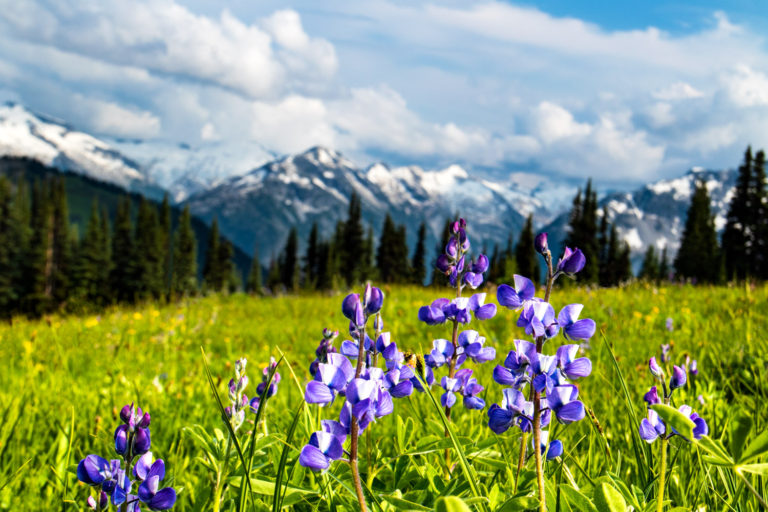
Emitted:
<point x="257" y="196"/>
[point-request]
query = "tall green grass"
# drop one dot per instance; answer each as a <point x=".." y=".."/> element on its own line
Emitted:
<point x="64" y="380"/>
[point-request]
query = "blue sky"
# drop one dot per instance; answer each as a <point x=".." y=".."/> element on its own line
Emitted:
<point x="626" y="92"/>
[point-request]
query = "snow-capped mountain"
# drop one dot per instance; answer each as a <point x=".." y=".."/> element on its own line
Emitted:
<point x="53" y="143"/>
<point x="655" y="214"/>
<point x="183" y="170"/>
<point x="315" y="186"/>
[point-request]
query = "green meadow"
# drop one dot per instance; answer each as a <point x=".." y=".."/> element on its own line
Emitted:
<point x="65" y="379"/>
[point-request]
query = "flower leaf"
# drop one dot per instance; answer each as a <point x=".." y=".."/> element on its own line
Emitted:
<point x="740" y="427"/>
<point x="608" y="499"/>
<point x="756" y="448"/>
<point x="758" y="469"/>
<point x="675" y="419"/>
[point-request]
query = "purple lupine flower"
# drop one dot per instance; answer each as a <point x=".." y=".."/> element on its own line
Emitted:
<point x="555" y="449"/>
<point x="678" y="379"/>
<point x="441" y="354"/>
<point x="563" y="402"/>
<point x="94" y="470"/>
<point x="517" y="297"/>
<point x="470" y="388"/>
<point x="451" y="385"/>
<point x="572" y="367"/>
<point x="538" y="319"/>
<point x="373" y="299"/>
<point x="670" y="325"/>
<point x="513" y="407"/>
<point x="656" y="370"/>
<point x="265" y="376"/>
<point x="573" y="328"/>
<point x="351" y="348"/>
<point x="398" y="383"/>
<point x="513" y="373"/>
<point x="540" y="243"/>
<point x="368" y="400"/>
<point x="323" y="448"/>
<point x="571" y="262"/>
<point x="331" y="378"/>
<point x="323" y="349"/>
<point x="665" y="349"/>
<point x="700" y="426"/>
<point x="472" y="344"/>
<point x="691" y="366"/>
<point x="652" y="396"/>
<point x="543" y="369"/>
<point x="652" y="427"/>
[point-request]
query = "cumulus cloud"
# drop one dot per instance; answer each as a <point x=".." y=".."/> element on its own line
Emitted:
<point x="487" y="84"/>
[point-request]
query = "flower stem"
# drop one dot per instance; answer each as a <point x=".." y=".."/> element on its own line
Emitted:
<point x="752" y="489"/>
<point x="537" y="450"/>
<point x="221" y="476"/>
<point x="662" y="475"/>
<point x="354" y="427"/>
<point x="521" y="459"/>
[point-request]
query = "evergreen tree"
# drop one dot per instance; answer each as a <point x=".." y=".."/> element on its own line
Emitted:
<point x="231" y="280"/>
<point x="104" y="257"/>
<point x="7" y="292"/>
<point x="583" y="232"/>
<point x="312" y="259"/>
<point x="650" y="269"/>
<point x="212" y="274"/>
<point x="759" y="219"/>
<point x="149" y="253"/>
<point x="663" y="265"/>
<point x="289" y="262"/>
<point x="254" y="276"/>
<point x="19" y="238"/>
<point x="325" y="266"/>
<point x="698" y="257"/>
<point x="39" y="264"/>
<point x="609" y="270"/>
<point x="61" y="242"/>
<point x="526" y="256"/>
<point x="367" y="268"/>
<point x="87" y="272"/>
<point x="737" y="235"/>
<point x="166" y="242"/>
<point x="273" y="276"/>
<point x="351" y="263"/>
<point x="623" y="265"/>
<point x="122" y="285"/>
<point x="184" y="276"/>
<point x="419" y="272"/>
<point x="392" y="254"/>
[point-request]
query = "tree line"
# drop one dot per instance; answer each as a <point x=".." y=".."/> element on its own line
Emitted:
<point x="45" y="263"/>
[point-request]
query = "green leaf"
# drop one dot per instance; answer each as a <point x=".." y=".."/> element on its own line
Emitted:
<point x="608" y="499"/>
<point x="756" y="448"/>
<point x="277" y="499"/>
<point x="740" y="427"/>
<point x="758" y="469"/>
<point x="578" y="500"/>
<point x="675" y="419"/>
<point x="402" y="504"/>
<point x="519" y="504"/>
<point x="717" y="454"/>
<point x="451" y="504"/>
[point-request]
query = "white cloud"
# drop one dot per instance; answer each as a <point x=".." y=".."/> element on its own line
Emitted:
<point x="746" y="87"/>
<point x="111" y="118"/>
<point x="678" y="91"/>
<point x="552" y="122"/>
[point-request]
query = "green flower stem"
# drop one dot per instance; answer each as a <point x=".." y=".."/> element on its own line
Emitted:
<point x="354" y="429"/>
<point x="662" y="474"/>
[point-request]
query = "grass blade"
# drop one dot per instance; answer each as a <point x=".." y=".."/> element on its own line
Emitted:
<point x="224" y="416"/>
<point x="277" y="501"/>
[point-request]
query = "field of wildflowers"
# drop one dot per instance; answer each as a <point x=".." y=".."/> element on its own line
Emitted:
<point x="645" y="398"/>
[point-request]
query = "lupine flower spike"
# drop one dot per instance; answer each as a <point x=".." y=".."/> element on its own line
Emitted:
<point x="133" y="480"/>
<point x="549" y="393"/>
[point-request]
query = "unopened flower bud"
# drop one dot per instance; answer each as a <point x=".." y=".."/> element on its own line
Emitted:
<point x="540" y="243"/>
<point x="679" y="378"/>
<point x="652" y="396"/>
<point x="375" y="301"/>
<point x="452" y="248"/>
<point x="656" y="370"/>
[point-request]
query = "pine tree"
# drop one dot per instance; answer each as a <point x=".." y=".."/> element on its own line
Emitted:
<point x="737" y="235"/>
<point x="61" y="243"/>
<point x="39" y="265"/>
<point x="583" y="232"/>
<point x="526" y="256"/>
<point x="122" y="284"/>
<point x="212" y="274"/>
<point x="367" y="268"/>
<point x="19" y="239"/>
<point x="254" y="276"/>
<point x="623" y="265"/>
<point x="650" y="269"/>
<point x="7" y="293"/>
<point x="231" y="281"/>
<point x="418" y="270"/>
<point x="289" y="262"/>
<point x="698" y="256"/>
<point x="87" y="271"/>
<point x="166" y="243"/>
<point x="104" y="258"/>
<point x="184" y="277"/>
<point x="392" y="254"/>
<point x="351" y="263"/>
<point x="663" y="265"/>
<point x="312" y="259"/>
<point x="759" y="219"/>
<point x="273" y="276"/>
<point x="149" y="254"/>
